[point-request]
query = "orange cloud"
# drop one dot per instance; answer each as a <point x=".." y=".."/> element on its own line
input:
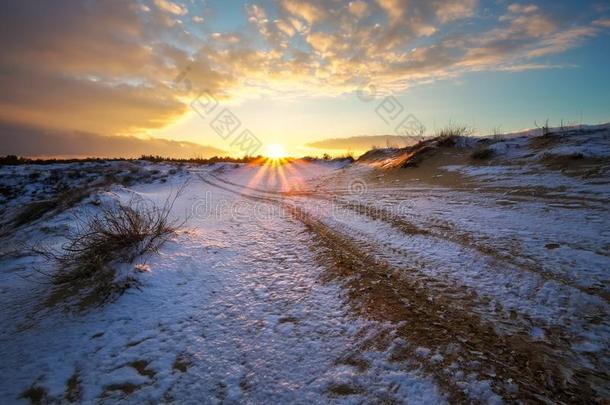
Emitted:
<point x="171" y="7"/>
<point x="309" y="11"/>
<point x="358" y="8"/>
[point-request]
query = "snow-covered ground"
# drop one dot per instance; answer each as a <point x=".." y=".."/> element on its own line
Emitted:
<point x="231" y="310"/>
<point x="333" y="282"/>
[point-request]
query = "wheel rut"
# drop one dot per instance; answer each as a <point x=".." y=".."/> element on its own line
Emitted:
<point x="464" y="344"/>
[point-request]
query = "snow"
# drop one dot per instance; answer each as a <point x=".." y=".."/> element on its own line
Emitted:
<point x="236" y="307"/>
<point x="240" y="301"/>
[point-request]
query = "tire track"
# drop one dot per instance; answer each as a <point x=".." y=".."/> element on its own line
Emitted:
<point x="440" y="230"/>
<point x="427" y="317"/>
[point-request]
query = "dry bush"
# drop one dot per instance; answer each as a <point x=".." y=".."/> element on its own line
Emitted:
<point x="414" y="155"/>
<point x="33" y="211"/>
<point x="545" y="129"/>
<point x="38" y="209"/>
<point x="482" y="154"/>
<point x="90" y="260"/>
<point x="349" y="156"/>
<point x="448" y="135"/>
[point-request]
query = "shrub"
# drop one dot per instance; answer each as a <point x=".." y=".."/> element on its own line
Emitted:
<point x="127" y="180"/>
<point x="90" y="259"/>
<point x="348" y="157"/>
<point x="10" y="160"/>
<point x="37" y="209"/>
<point x="482" y="154"/>
<point x="34" y="211"/>
<point x="55" y="176"/>
<point x="448" y="135"/>
<point x="74" y="174"/>
<point x="6" y="191"/>
<point x="545" y="129"/>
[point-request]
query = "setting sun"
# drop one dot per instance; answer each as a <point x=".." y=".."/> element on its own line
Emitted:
<point x="275" y="151"/>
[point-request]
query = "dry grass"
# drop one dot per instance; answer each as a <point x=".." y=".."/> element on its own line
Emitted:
<point x="38" y="209"/>
<point x="36" y="395"/>
<point x="447" y="137"/>
<point x="451" y="131"/>
<point x="90" y="259"/>
<point x="33" y="211"/>
<point x="482" y="154"/>
<point x="74" y="389"/>
<point x="413" y="155"/>
<point x="182" y="363"/>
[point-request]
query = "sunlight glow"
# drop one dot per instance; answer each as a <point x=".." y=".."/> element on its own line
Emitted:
<point x="275" y="151"/>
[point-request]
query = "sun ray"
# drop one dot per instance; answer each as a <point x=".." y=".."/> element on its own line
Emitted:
<point x="257" y="179"/>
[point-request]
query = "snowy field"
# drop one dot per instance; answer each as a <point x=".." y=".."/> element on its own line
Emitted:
<point x="326" y="282"/>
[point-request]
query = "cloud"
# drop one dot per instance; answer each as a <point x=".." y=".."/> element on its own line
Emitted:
<point x="109" y="66"/>
<point x="563" y="41"/>
<point x="602" y="22"/>
<point x="31" y="97"/>
<point x="363" y="143"/>
<point x="522" y="8"/>
<point x="455" y="10"/>
<point x="394" y="9"/>
<point x="525" y="34"/>
<point x="309" y="11"/>
<point x="33" y="142"/>
<point x="171" y="7"/>
<point x="528" y="19"/>
<point x="358" y="8"/>
<point x="345" y="43"/>
<point x="532" y="66"/>
<point x="103" y="67"/>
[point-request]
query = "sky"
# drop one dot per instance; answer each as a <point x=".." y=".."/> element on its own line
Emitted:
<point x="198" y="78"/>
